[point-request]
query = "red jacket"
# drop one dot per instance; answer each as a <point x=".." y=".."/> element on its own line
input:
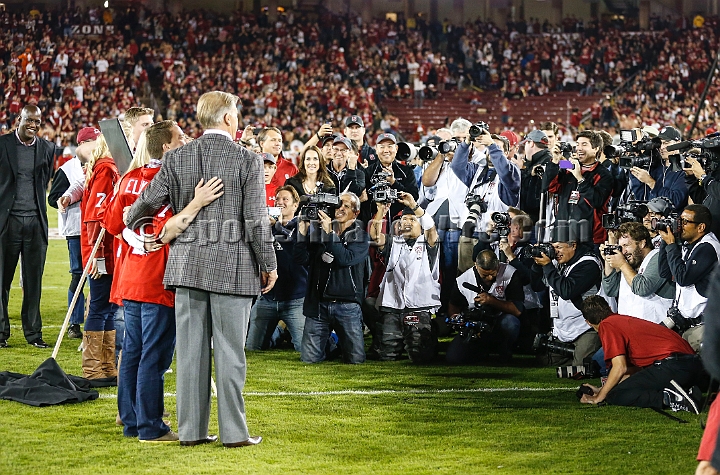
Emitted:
<point x="97" y="191"/>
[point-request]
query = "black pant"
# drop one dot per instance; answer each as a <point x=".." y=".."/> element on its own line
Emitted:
<point x="645" y="388"/>
<point x="23" y="235"/>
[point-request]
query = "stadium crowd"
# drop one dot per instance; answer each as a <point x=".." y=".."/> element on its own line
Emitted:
<point x="595" y="254"/>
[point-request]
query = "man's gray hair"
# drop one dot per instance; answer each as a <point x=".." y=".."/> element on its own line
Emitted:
<point x="460" y="125"/>
<point x="353" y="199"/>
<point x="212" y="107"/>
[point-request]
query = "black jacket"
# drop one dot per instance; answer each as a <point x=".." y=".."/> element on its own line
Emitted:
<point x="404" y="181"/>
<point x="44" y="160"/>
<point x="344" y="278"/>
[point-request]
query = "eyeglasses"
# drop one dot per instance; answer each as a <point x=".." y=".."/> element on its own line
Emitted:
<point x="685" y="222"/>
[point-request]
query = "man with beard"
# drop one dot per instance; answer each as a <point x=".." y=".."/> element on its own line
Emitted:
<point x="26" y="165"/>
<point x="632" y="275"/>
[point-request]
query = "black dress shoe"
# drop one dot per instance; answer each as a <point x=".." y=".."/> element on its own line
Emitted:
<point x="192" y="443"/>
<point x="244" y="443"/>
<point x="3" y="344"/>
<point x="39" y="343"/>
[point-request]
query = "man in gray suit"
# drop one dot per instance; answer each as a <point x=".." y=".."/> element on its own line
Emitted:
<point x="216" y="266"/>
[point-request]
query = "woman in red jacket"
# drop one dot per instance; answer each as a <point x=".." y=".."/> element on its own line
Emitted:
<point x="98" y="358"/>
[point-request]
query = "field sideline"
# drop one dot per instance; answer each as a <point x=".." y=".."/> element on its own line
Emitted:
<point x="390" y="418"/>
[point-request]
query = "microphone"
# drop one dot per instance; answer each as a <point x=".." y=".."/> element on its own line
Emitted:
<point x="679" y="146"/>
<point x="474" y="288"/>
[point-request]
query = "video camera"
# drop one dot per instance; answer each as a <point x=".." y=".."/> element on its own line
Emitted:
<point x="632" y="211"/>
<point x="478" y="129"/>
<point x="472" y="323"/>
<point x="311" y="205"/>
<point x="380" y="191"/>
<point x="634" y="151"/>
<point x="539" y="249"/>
<point x="709" y="155"/>
<point x="502" y="223"/>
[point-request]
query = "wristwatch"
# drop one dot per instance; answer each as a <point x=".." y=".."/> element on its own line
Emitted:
<point x="702" y="177"/>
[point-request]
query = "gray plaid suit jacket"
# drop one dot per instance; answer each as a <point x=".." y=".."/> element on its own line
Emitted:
<point x="230" y="240"/>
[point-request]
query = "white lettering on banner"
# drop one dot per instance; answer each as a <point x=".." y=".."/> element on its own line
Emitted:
<point x="93" y="30"/>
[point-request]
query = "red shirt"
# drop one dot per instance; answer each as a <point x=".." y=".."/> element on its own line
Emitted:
<point x="99" y="189"/>
<point x="138" y="276"/>
<point x="270" y="194"/>
<point x="641" y="341"/>
<point x="285" y="169"/>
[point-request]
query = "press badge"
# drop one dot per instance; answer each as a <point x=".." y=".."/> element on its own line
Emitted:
<point x="553" y="304"/>
<point x="574" y="197"/>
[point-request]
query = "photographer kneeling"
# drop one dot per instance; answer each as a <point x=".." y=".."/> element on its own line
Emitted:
<point x="336" y="281"/>
<point x="575" y="275"/>
<point x="651" y="365"/>
<point x="496" y="293"/>
<point x="690" y="266"/>
<point x="632" y="275"/>
<point x="410" y="289"/>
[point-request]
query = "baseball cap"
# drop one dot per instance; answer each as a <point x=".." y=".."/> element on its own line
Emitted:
<point x="660" y="205"/>
<point x="87" y="133"/>
<point x="382" y="137"/>
<point x="354" y="119"/>
<point x="511" y="136"/>
<point x="669" y="133"/>
<point x="267" y="157"/>
<point x="343" y="140"/>
<point x="651" y="131"/>
<point x="537" y="136"/>
<point x="433" y="138"/>
<point x="330" y="137"/>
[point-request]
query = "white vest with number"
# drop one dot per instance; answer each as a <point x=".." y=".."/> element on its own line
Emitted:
<point x="489" y="192"/>
<point x="497" y="290"/>
<point x="570" y="323"/>
<point x="689" y="301"/>
<point x="409" y="282"/>
<point x="652" y="308"/>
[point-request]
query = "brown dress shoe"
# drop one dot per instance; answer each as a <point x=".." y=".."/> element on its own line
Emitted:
<point x="170" y="437"/>
<point x="192" y="443"/>
<point x="251" y="441"/>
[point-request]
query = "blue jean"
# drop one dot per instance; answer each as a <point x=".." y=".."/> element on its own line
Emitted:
<point x="148" y="351"/>
<point x="76" y="269"/>
<point x="119" y="319"/>
<point x="266" y="314"/>
<point x="101" y="315"/>
<point x="448" y="262"/>
<point x="599" y="358"/>
<point x="346" y="319"/>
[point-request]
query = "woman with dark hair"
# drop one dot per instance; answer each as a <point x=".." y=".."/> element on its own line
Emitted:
<point x="312" y="170"/>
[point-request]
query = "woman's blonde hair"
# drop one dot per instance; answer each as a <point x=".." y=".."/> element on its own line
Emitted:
<point x="142" y="156"/>
<point x="101" y="150"/>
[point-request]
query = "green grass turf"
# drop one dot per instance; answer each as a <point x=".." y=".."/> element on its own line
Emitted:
<point x="424" y="431"/>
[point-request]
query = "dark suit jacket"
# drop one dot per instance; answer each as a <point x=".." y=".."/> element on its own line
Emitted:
<point x="230" y="240"/>
<point x="44" y="158"/>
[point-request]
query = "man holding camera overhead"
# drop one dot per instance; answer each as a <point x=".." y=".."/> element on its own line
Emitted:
<point x="689" y="264"/>
<point x="582" y="186"/>
<point x="410" y="290"/>
<point x="660" y="179"/>
<point x="632" y="274"/>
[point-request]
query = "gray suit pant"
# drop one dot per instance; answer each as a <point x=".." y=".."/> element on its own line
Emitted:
<point x="200" y="315"/>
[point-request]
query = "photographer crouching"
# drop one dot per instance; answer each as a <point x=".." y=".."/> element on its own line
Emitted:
<point x="410" y="289"/>
<point x="490" y="296"/>
<point x="689" y="265"/>
<point x="336" y="281"/>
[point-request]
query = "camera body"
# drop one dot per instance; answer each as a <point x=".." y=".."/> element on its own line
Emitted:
<point x="476" y="204"/>
<point x="671" y="224"/>
<point x="632" y="211"/>
<point x="478" y="129"/>
<point x="567" y="149"/>
<point x="611" y="249"/>
<point x="381" y="192"/>
<point x="502" y="223"/>
<point x="473" y="323"/>
<point x="675" y="321"/>
<point x="311" y="205"/>
<point x="634" y="151"/>
<point x="539" y="249"/>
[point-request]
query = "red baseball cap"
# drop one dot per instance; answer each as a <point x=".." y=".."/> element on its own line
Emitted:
<point x="87" y="133"/>
<point x="511" y="136"/>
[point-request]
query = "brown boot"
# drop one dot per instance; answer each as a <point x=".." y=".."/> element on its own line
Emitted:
<point x="92" y="355"/>
<point x="108" y="354"/>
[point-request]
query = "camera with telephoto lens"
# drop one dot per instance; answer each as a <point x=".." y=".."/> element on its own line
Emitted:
<point x="675" y="321"/>
<point x="478" y="129"/>
<point x="641" y="153"/>
<point x="476" y="205"/>
<point x="406" y="152"/>
<point x="311" y="205"/>
<point x="632" y="211"/>
<point x="567" y="149"/>
<point x="539" y="249"/>
<point x="427" y="153"/>
<point x="502" y="223"/>
<point x="381" y="192"/>
<point x="671" y="224"/>
<point x="586" y="371"/>
<point x="611" y="249"/>
<point x="447" y="146"/>
<point x="544" y="342"/>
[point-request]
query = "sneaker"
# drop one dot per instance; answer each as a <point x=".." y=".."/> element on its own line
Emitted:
<point x="74" y="331"/>
<point x="165" y="439"/>
<point x="39" y="343"/>
<point x="679" y="400"/>
<point x="3" y="344"/>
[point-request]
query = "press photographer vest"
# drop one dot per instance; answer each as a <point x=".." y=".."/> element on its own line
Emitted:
<point x="490" y="193"/>
<point x="447" y="188"/>
<point x="570" y="323"/>
<point x="531" y="299"/>
<point x="497" y="290"/>
<point x="652" y="308"/>
<point x="689" y="301"/>
<point x="409" y="282"/>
